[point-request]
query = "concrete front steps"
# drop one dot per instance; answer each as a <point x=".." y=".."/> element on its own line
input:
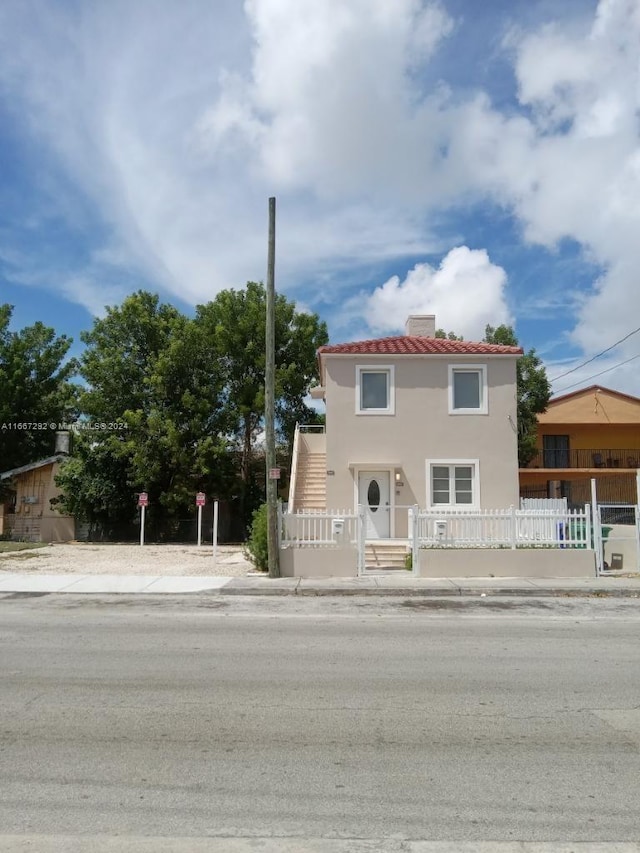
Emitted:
<point x="311" y="482"/>
<point x="384" y="554"/>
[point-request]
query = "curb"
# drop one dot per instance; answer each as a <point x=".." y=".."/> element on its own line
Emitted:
<point x="451" y="588"/>
<point x="434" y="589"/>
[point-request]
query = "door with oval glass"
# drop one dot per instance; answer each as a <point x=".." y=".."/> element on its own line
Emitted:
<point x="373" y="495"/>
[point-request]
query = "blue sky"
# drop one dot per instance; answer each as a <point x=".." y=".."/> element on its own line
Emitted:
<point x="479" y="161"/>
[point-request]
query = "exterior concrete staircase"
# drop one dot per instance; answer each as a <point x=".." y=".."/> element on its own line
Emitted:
<point x="388" y="554"/>
<point x="309" y="471"/>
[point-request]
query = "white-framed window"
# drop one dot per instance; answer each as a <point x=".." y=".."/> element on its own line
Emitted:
<point x="375" y="389"/>
<point x="453" y="483"/>
<point x="468" y="389"/>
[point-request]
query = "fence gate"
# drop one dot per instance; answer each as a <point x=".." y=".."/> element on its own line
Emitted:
<point x="616" y="533"/>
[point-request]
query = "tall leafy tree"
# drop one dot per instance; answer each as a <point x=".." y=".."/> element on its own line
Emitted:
<point x="234" y="323"/>
<point x="148" y="368"/>
<point x="191" y="395"/>
<point x="533" y="390"/>
<point x="35" y="387"/>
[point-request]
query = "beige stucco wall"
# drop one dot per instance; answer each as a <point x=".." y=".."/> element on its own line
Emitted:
<point x="444" y="563"/>
<point x="312" y="441"/>
<point x="420" y="429"/>
<point x="318" y="562"/>
<point x="507" y="563"/>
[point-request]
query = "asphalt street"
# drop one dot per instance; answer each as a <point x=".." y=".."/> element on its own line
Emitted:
<point x="222" y="718"/>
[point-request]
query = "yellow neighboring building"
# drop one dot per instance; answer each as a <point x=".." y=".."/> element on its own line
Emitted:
<point x="594" y="432"/>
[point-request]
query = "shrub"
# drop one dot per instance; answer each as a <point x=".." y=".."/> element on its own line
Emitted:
<point x="257" y="548"/>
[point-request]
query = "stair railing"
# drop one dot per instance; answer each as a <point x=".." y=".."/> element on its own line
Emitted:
<point x="294" y="468"/>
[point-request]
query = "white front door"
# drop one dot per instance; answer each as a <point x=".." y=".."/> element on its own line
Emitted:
<point x="373" y="495"/>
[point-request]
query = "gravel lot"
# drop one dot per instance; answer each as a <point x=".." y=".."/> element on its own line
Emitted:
<point x="94" y="558"/>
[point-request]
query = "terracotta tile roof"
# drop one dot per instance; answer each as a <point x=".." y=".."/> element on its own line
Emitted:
<point x="413" y="345"/>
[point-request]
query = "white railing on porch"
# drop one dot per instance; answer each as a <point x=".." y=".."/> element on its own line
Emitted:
<point x="316" y="529"/>
<point x="313" y="528"/>
<point x="506" y="528"/>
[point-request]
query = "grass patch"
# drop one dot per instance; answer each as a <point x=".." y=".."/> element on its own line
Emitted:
<point x="10" y="547"/>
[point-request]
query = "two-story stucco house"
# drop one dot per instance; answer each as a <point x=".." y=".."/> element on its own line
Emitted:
<point x="411" y="420"/>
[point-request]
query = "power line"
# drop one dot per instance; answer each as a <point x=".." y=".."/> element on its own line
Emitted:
<point x="593" y="358"/>
<point x="595" y="375"/>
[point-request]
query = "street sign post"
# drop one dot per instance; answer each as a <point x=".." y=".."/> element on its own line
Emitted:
<point x="215" y="531"/>
<point x="201" y="499"/>
<point x="143" y="503"/>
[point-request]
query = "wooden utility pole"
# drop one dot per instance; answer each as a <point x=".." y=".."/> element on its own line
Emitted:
<point x="269" y="402"/>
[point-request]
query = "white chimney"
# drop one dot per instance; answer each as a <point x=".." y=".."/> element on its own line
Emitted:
<point x="421" y="325"/>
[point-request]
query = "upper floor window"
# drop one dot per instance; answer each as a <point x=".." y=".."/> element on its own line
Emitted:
<point x="468" y="390"/>
<point x="375" y="391"/>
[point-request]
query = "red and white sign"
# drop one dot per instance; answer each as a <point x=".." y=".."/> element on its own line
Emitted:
<point x="274" y="473"/>
<point x="143" y="499"/>
<point x="201" y="499"/>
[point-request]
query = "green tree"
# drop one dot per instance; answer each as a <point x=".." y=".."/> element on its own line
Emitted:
<point x="451" y="336"/>
<point x="35" y="387"/>
<point x="234" y="324"/>
<point x="533" y="391"/>
<point x="148" y="367"/>
<point x="191" y="395"/>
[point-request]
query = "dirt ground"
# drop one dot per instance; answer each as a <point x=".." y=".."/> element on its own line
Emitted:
<point x="92" y="558"/>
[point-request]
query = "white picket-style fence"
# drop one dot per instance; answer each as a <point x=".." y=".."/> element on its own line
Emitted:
<point x="556" y="504"/>
<point x="494" y="528"/>
<point x="315" y="528"/>
<point x="497" y="528"/>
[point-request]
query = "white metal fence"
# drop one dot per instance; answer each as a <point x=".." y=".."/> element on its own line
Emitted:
<point x="506" y="528"/>
<point x="314" y="528"/>
<point x="324" y="529"/>
<point x="557" y="504"/>
<point x="498" y="528"/>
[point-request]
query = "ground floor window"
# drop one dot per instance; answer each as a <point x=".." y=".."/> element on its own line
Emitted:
<point x="453" y="483"/>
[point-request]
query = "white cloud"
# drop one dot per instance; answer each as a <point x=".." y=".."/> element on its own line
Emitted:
<point x="178" y="121"/>
<point x="92" y="294"/>
<point x="584" y="161"/>
<point x="178" y="133"/>
<point x="465" y="293"/>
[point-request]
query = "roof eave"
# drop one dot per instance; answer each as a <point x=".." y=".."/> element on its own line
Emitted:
<point x="32" y="466"/>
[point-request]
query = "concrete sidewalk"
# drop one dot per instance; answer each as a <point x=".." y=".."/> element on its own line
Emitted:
<point x="398" y="585"/>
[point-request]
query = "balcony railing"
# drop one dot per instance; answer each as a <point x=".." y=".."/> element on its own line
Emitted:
<point x="627" y="459"/>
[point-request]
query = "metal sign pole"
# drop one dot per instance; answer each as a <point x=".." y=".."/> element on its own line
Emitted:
<point x="142" y="514"/>
<point x="199" y="525"/>
<point x="215" y="531"/>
